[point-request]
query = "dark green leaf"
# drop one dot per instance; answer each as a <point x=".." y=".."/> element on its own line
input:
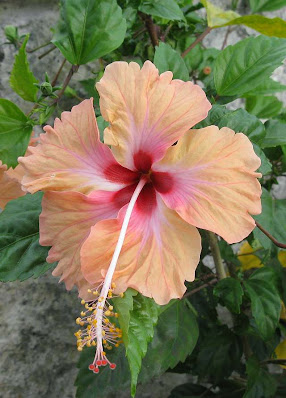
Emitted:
<point x="230" y="292"/>
<point x="272" y="218"/>
<point x="263" y="107"/>
<point x="266" y="165"/>
<point x="143" y="318"/>
<point x="265" y="303"/>
<point x="266" y="5"/>
<point x="268" y="86"/>
<point x="106" y="381"/>
<point x="22" y="79"/>
<point x="260" y="384"/>
<point x="194" y="58"/>
<point x="167" y="9"/>
<point x="15" y="132"/>
<point x="174" y="339"/>
<point x="124" y="306"/>
<point x="190" y="390"/>
<point x="247" y="64"/>
<point x="167" y="59"/>
<point x="89" y="29"/>
<point x="21" y="255"/>
<point x="214" y="116"/>
<point x="275" y="134"/>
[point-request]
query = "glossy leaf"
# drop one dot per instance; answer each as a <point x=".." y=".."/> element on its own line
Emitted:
<point x="89" y="29"/>
<point x="15" y="132"/>
<point x="124" y="306"/>
<point x="275" y="134"/>
<point x="167" y="9"/>
<point x="166" y="58"/>
<point x="266" y="165"/>
<point x="272" y="218"/>
<point x="21" y="256"/>
<point x="268" y="86"/>
<point x="22" y="79"/>
<point x="247" y="64"/>
<point x="263" y="107"/>
<point x="230" y="292"/>
<point x="266" y="5"/>
<point x="175" y="337"/>
<point x="265" y="303"/>
<point x="260" y="384"/>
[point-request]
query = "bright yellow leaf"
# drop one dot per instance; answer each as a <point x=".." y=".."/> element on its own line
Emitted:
<point x="248" y="261"/>
<point x="280" y="352"/>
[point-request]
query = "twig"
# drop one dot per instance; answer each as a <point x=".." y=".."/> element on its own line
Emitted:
<point x="216" y="255"/>
<point x="229" y="30"/>
<point x="38" y="48"/>
<point x="73" y="70"/>
<point x="281" y="361"/>
<point x="55" y="79"/>
<point x="165" y="34"/>
<point x="139" y="32"/>
<point x="47" y="52"/>
<point x="212" y="282"/>
<point x="275" y="241"/>
<point x="198" y="39"/>
<point x="151" y="28"/>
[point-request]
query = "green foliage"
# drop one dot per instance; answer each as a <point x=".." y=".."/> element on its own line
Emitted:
<point x="167" y="9"/>
<point x="230" y="292"/>
<point x="268" y="86"/>
<point x="266" y="5"/>
<point x="247" y="64"/>
<point x="88" y="30"/>
<point x="15" y="132"/>
<point x="263" y="107"/>
<point x="275" y="134"/>
<point x="21" y="256"/>
<point x="22" y="79"/>
<point x="260" y="383"/>
<point x="166" y="58"/>
<point x="265" y="302"/>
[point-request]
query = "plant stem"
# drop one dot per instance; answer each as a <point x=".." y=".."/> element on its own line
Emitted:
<point x="47" y="52"/>
<point x="198" y="39"/>
<point x="73" y="70"/>
<point x="216" y="255"/>
<point x="275" y="241"/>
<point x="38" y="48"/>
<point x="54" y="82"/>
<point x="151" y="28"/>
<point x="226" y="37"/>
<point x="212" y="282"/>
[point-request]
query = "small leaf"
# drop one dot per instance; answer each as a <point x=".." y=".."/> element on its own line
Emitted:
<point x="217" y="16"/>
<point x="266" y="5"/>
<point x="268" y="86"/>
<point x="167" y="59"/>
<point x="263" y="107"/>
<point x="230" y="292"/>
<point x="260" y="384"/>
<point x="89" y="29"/>
<point x="102" y="124"/>
<point x="265" y="304"/>
<point x="15" y="132"/>
<point x="275" y="134"/>
<point x="22" y="79"/>
<point x="247" y="64"/>
<point x="272" y="218"/>
<point x="21" y="255"/>
<point x="124" y="306"/>
<point x="266" y="165"/>
<point x="167" y="9"/>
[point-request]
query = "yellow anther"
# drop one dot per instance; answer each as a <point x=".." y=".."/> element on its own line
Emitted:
<point x="86" y="306"/>
<point x="82" y="313"/>
<point x="110" y="307"/>
<point x="116" y="315"/>
<point x="109" y="347"/>
<point x="78" y="320"/>
<point x="100" y="299"/>
<point x="107" y="313"/>
<point x="82" y="302"/>
<point x="93" y="343"/>
<point x="88" y="327"/>
<point x="111" y="330"/>
<point x="103" y="333"/>
<point x="103" y="353"/>
<point x="116" y="345"/>
<point x="88" y="344"/>
<point x="106" y="320"/>
<point x="95" y="293"/>
<point x="113" y="285"/>
<point x="100" y="307"/>
<point x="109" y="291"/>
<point x="79" y="348"/>
<point x="88" y="290"/>
<point x="81" y="323"/>
<point x="94" y="312"/>
<point x="117" y="330"/>
<point x="104" y="341"/>
<point x="89" y="319"/>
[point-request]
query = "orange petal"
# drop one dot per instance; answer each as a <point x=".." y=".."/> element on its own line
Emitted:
<point x="10" y="187"/>
<point x="159" y="253"/>
<point x="214" y="184"/>
<point x="147" y="112"/>
<point x="65" y="223"/>
<point x="71" y="157"/>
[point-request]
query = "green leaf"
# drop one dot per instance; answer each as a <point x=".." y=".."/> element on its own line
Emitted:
<point x="230" y="292"/>
<point x="167" y="59"/>
<point x="214" y="116"/>
<point x="22" y="79"/>
<point x="268" y="86"/>
<point x="275" y="134"/>
<point x="21" y="255"/>
<point x="191" y="390"/>
<point x="265" y="303"/>
<point x="124" y="306"/>
<point x="89" y="29"/>
<point x="247" y="64"/>
<point x="175" y="337"/>
<point x="217" y="17"/>
<point x="15" y="132"/>
<point x="266" y="5"/>
<point x="102" y="124"/>
<point x="106" y="381"/>
<point x="260" y="384"/>
<point x="263" y="107"/>
<point x="219" y="354"/>
<point x="193" y="60"/>
<point x="167" y="9"/>
<point x="272" y="218"/>
<point x="143" y="317"/>
<point x="266" y="165"/>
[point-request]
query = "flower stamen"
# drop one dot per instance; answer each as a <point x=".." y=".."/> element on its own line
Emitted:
<point x="100" y="331"/>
